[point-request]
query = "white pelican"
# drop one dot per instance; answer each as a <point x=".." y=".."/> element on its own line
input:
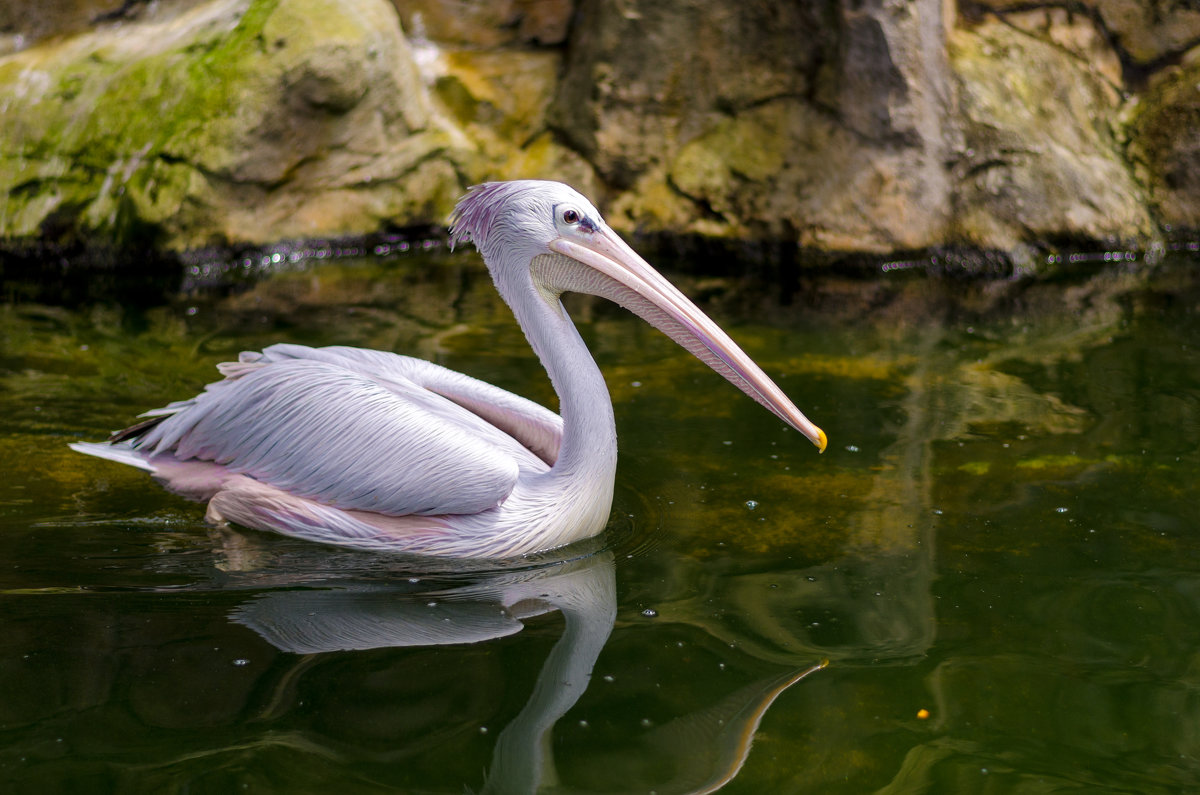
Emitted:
<point x="369" y="449"/>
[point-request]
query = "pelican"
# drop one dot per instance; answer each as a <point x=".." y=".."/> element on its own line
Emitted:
<point x="374" y="450"/>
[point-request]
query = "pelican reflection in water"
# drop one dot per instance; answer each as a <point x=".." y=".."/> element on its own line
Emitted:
<point x="373" y="450"/>
<point x="707" y="747"/>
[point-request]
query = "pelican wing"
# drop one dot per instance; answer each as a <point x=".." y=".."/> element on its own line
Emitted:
<point x="533" y="425"/>
<point x="349" y="439"/>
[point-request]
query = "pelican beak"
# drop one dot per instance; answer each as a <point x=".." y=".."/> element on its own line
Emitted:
<point x="632" y="283"/>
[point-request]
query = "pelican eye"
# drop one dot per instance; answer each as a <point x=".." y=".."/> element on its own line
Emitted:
<point x="570" y="216"/>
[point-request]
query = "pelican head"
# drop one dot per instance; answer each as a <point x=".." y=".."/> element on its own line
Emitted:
<point x="546" y="236"/>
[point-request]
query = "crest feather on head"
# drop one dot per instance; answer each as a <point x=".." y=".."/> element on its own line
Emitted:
<point x="477" y="212"/>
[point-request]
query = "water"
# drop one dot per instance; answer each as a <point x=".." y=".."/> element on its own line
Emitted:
<point x="996" y="561"/>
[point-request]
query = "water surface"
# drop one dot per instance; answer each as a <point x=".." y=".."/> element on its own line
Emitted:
<point x="995" y="561"/>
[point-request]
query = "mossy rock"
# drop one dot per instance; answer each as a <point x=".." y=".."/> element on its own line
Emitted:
<point x="1165" y="144"/>
<point x="238" y="120"/>
<point x="1041" y="158"/>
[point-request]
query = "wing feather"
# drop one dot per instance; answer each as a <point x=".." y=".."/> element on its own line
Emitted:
<point x="348" y="439"/>
<point x="536" y="427"/>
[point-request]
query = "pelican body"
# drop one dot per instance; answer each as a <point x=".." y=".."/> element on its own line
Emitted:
<point x="375" y="450"/>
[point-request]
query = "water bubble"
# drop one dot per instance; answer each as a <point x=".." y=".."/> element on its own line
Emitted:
<point x="1060" y="509"/>
<point x="240" y="661"/>
<point x="751" y="504"/>
<point x="650" y="612"/>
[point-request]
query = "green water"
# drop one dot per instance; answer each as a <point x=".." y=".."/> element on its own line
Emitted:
<point x="1003" y="533"/>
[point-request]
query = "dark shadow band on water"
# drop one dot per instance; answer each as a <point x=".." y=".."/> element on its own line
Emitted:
<point x="74" y="272"/>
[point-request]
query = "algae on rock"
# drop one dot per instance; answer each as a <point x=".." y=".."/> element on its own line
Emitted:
<point x="232" y="121"/>
<point x="1040" y="156"/>
<point x="1164" y="139"/>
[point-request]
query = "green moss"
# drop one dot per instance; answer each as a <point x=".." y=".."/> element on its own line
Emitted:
<point x="751" y="146"/>
<point x="105" y="136"/>
<point x="1052" y="462"/>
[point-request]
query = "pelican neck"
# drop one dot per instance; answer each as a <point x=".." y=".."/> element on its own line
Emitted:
<point x="589" y="443"/>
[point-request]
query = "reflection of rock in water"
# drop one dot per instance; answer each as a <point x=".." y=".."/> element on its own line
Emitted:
<point x="872" y="600"/>
<point x="948" y="396"/>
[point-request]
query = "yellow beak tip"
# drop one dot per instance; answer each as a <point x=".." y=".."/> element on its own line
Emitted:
<point x="822" y="440"/>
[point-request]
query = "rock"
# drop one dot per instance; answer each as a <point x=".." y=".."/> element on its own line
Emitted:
<point x="820" y="121"/>
<point x="233" y="121"/>
<point x="644" y="76"/>
<point x="499" y="102"/>
<point x="848" y="126"/>
<point x="786" y="169"/>
<point x="1143" y="31"/>
<point x="23" y="24"/>
<point x="1076" y="33"/>
<point x="1040" y="157"/>
<point x="483" y="24"/>
<point x="1164" y="135"/>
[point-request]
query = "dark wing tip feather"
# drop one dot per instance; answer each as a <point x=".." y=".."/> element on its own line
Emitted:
<point x="135" y="431"/>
